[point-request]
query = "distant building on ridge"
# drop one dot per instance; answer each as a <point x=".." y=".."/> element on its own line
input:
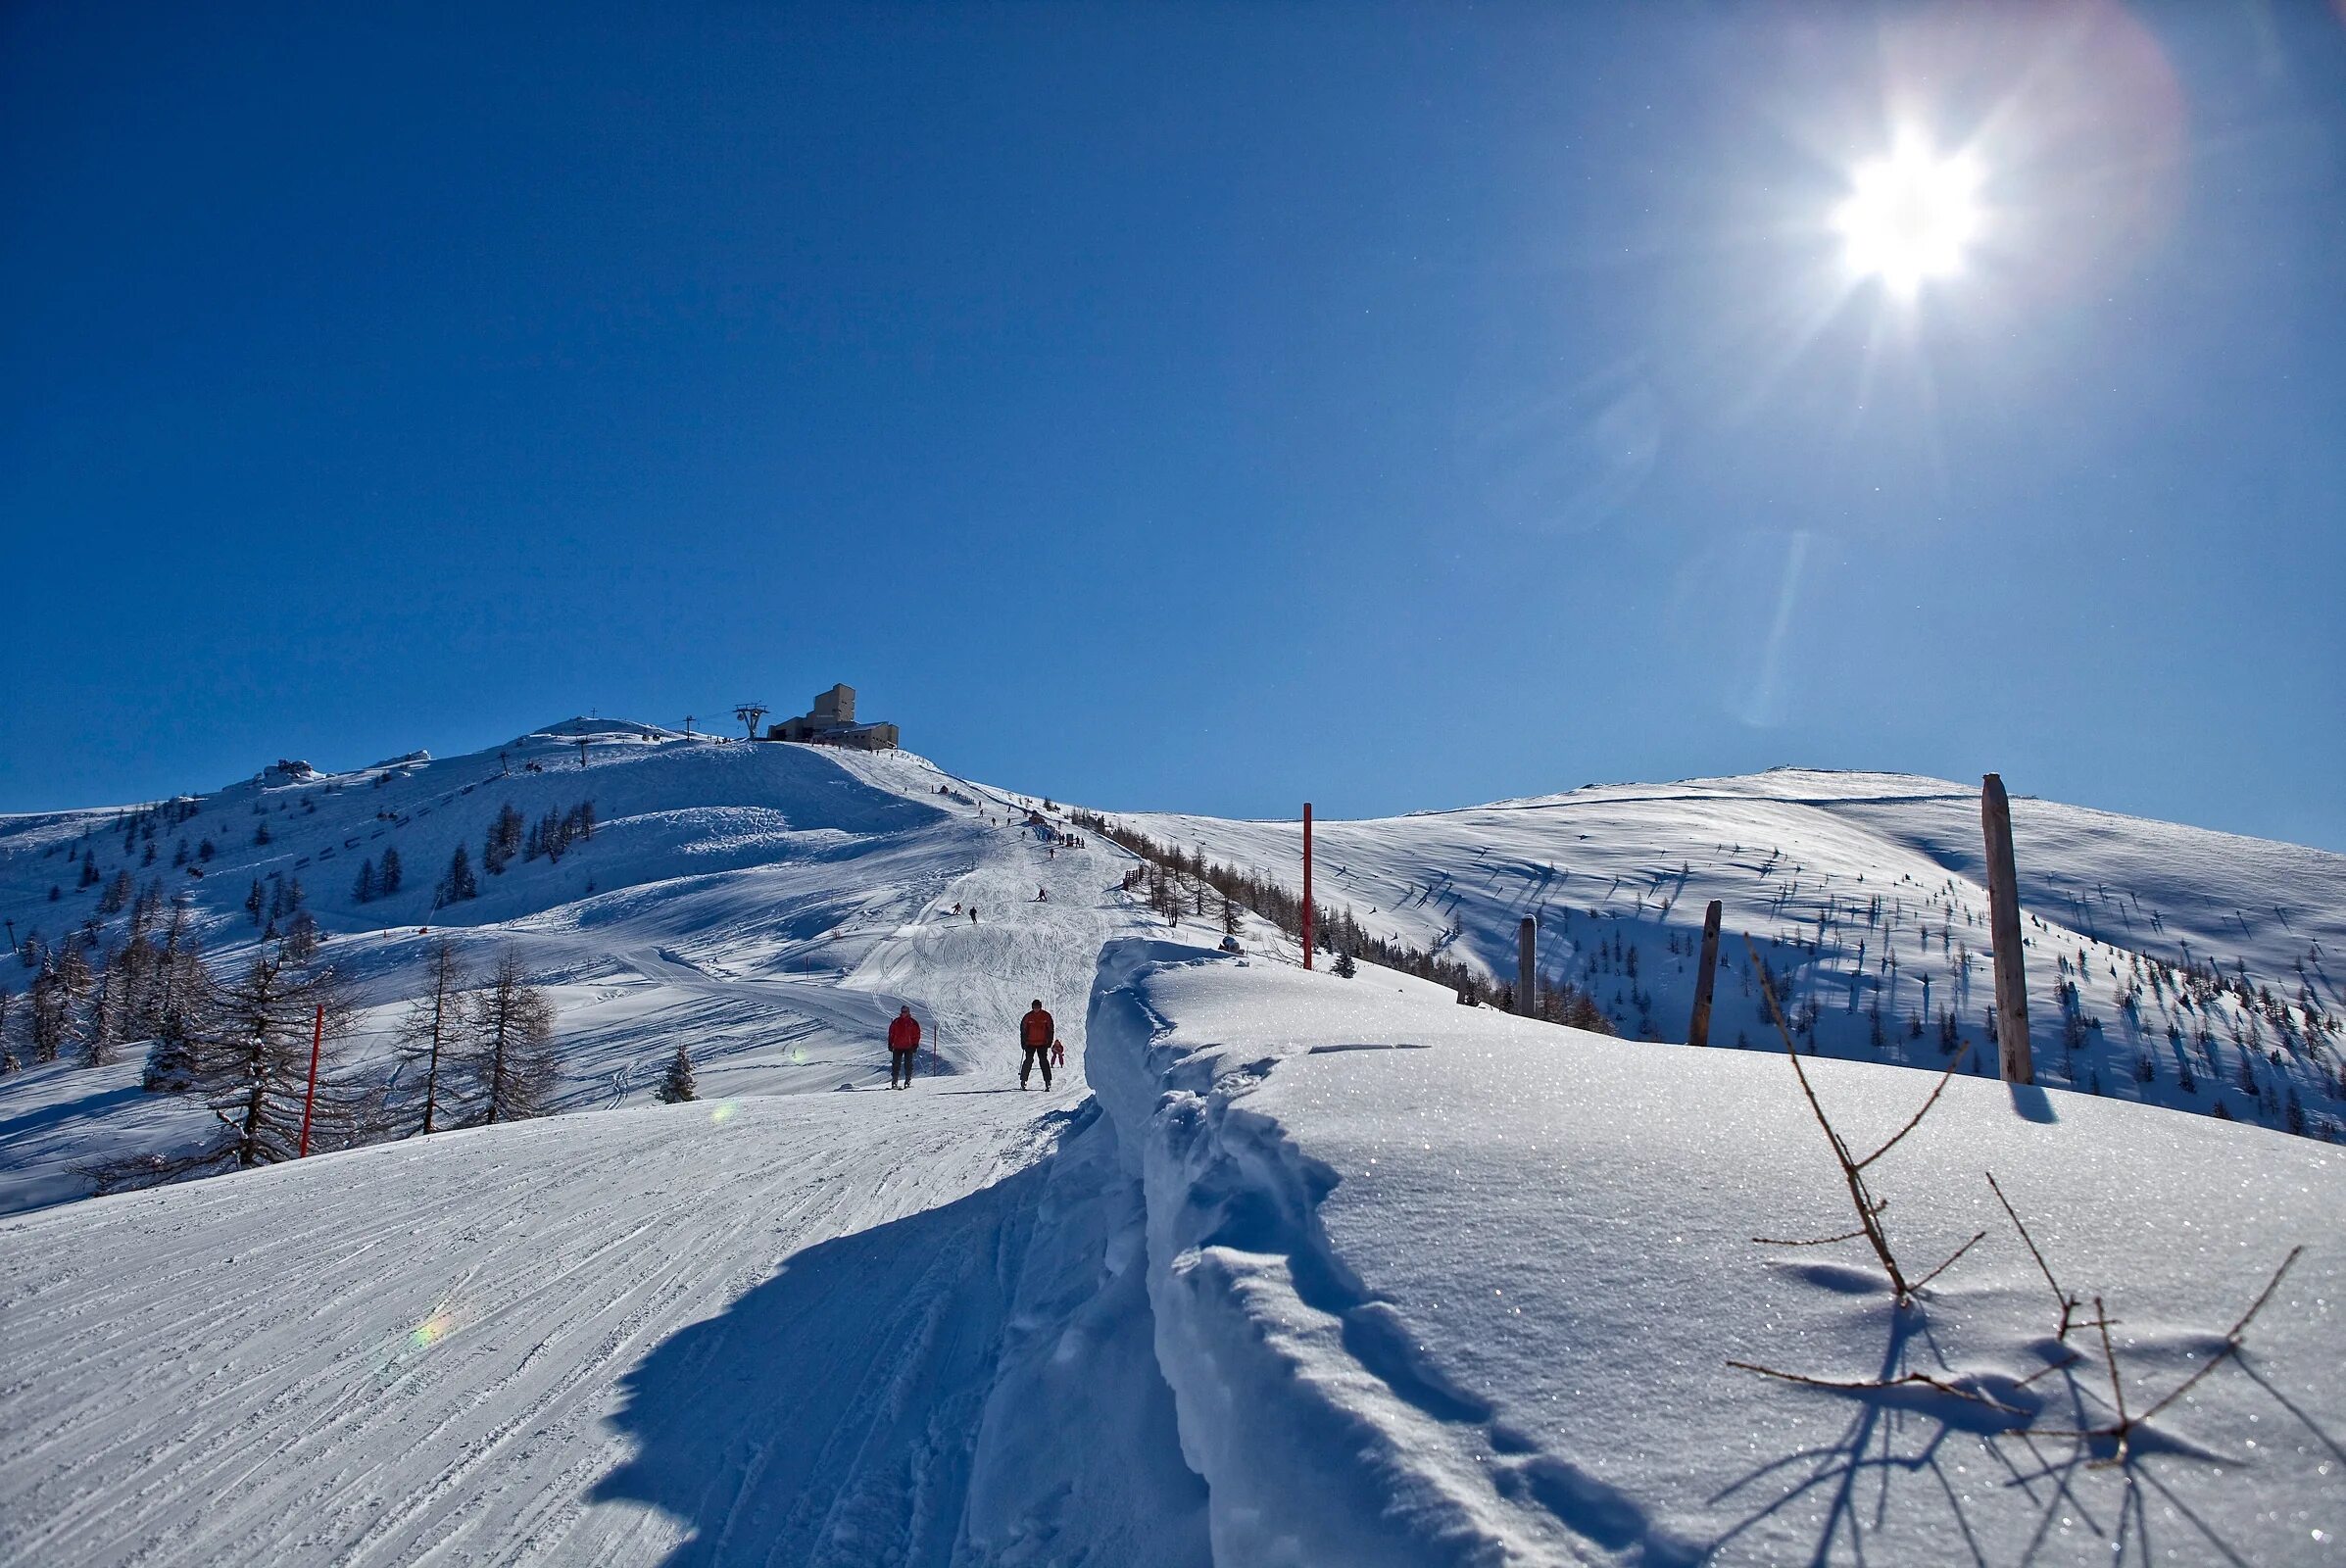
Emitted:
<point x="832" y="722"/>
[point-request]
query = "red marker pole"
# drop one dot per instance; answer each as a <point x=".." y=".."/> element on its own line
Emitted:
<point x="316" y="1040"/>
<point x="1306" y="884"/>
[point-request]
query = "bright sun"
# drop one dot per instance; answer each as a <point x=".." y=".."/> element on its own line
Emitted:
<point x="1910" y="215"/>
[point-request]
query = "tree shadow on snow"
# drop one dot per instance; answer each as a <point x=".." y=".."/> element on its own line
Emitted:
<point x="828" y="1415"/>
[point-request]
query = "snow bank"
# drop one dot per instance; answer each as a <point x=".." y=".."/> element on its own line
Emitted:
<point x="1434" y="1285"/>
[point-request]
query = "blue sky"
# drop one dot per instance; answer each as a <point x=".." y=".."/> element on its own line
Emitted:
<point x="1187" y="407"/>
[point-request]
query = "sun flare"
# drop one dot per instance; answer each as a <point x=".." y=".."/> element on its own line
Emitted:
<point x="1910" y="216"/>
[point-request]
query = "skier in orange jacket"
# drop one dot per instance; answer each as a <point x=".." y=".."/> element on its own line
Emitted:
<point x="903" y="1047"/>
<point x="1035" y="1033"/>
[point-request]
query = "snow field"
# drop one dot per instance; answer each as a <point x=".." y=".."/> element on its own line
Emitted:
<point x="1433" y="1285"/>
<point x="1866" y="893"/>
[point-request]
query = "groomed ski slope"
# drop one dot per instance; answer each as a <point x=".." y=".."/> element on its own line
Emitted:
<point x="1436" y="1286"/>
<point x="771" y="1327"/>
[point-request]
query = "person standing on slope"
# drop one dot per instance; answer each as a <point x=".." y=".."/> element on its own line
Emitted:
<point x="1035" y="1033"/>
<point x="903" y="1047"/>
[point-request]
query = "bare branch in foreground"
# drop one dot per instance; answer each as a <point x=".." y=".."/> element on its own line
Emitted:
<point x="1820" y="1241"/>
<point x="1976" y="1240"/>
<point x="2231" y="1340"/>
<point x="1879" y="1385"/>
<point x="2069" y="1302"/>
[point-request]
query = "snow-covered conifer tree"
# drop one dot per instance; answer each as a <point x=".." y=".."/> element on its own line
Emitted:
<point x="458" y="885"/>
<point x="503" y="841"/>
<point x="677" y="1085"/>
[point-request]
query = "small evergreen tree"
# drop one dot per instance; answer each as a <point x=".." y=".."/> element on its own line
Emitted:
<point x="503" y="841"/>
<point x="301" y="939"/>
<point x="102" y="1027"/>
<point x="256" y="902"/>
<point x="389" y="883"/>
<point x="677" y="1085"/>
<point x="1345" y="967"/>
<point x="261" y="831"/>
<point x="458" y="885"/>
<point x="184" y="994"/>
<point x="362" y="889"/>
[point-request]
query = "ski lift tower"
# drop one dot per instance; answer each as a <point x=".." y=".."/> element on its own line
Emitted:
<point x="750" y="713"/>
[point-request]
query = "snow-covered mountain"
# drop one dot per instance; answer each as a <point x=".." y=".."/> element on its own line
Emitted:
<point x="2167" y="964"/>
<point x="762" y="901"/>
<point x="1328" y="1270"/>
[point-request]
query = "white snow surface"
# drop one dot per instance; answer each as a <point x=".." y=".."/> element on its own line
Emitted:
<point x="1865" y="891"/>
<point x="1433" y="1285"/>
<point x="1330" y="1271"/>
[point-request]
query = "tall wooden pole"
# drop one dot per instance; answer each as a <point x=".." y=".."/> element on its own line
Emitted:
<point x="1698" y="1032"/>
<point x="2004" y="930"/>
<point x="1526" y="942"/>
<point x="1306" y="884"/>
<point x="310" y="1099"/>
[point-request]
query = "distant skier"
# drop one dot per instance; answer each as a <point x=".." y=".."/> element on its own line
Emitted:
<point x="1058" y="1053"/>
<point x="1042" y="895"/>
<point x="903" y="1047"/>
<point x="1036" y="1032"/>
<point x="973" y="914"/>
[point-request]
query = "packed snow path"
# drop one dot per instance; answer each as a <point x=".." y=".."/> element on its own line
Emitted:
<point x="754" y="1332"/>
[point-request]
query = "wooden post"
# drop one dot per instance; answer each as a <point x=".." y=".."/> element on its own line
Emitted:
<point x="316" y="1040"/>
<point x="2004" y="930"/>
<point x="1306" y="884"/>
<point x="1527" y="943"/>
<point x="1699" y="1031"/>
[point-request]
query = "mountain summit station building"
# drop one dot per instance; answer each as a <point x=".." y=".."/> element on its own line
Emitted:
<point x="832" y="722"/>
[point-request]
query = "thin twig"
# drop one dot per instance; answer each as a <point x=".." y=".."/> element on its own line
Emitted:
<point x="1879" y="1384"/>
<point x="2231" y="1341"/>
<point x="2118" y="1392"/>
<point x="1943" y="1079"/>
<point x="1859" y="1197"/>
<point x="1822" y="1241"/>
<point x="2069" y="1302"/>
<point x="1958" y="1253"/>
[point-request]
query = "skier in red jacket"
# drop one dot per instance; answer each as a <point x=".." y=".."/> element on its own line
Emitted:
<point x="903" y="1048"/>
<point x="1035" y="1033"/>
